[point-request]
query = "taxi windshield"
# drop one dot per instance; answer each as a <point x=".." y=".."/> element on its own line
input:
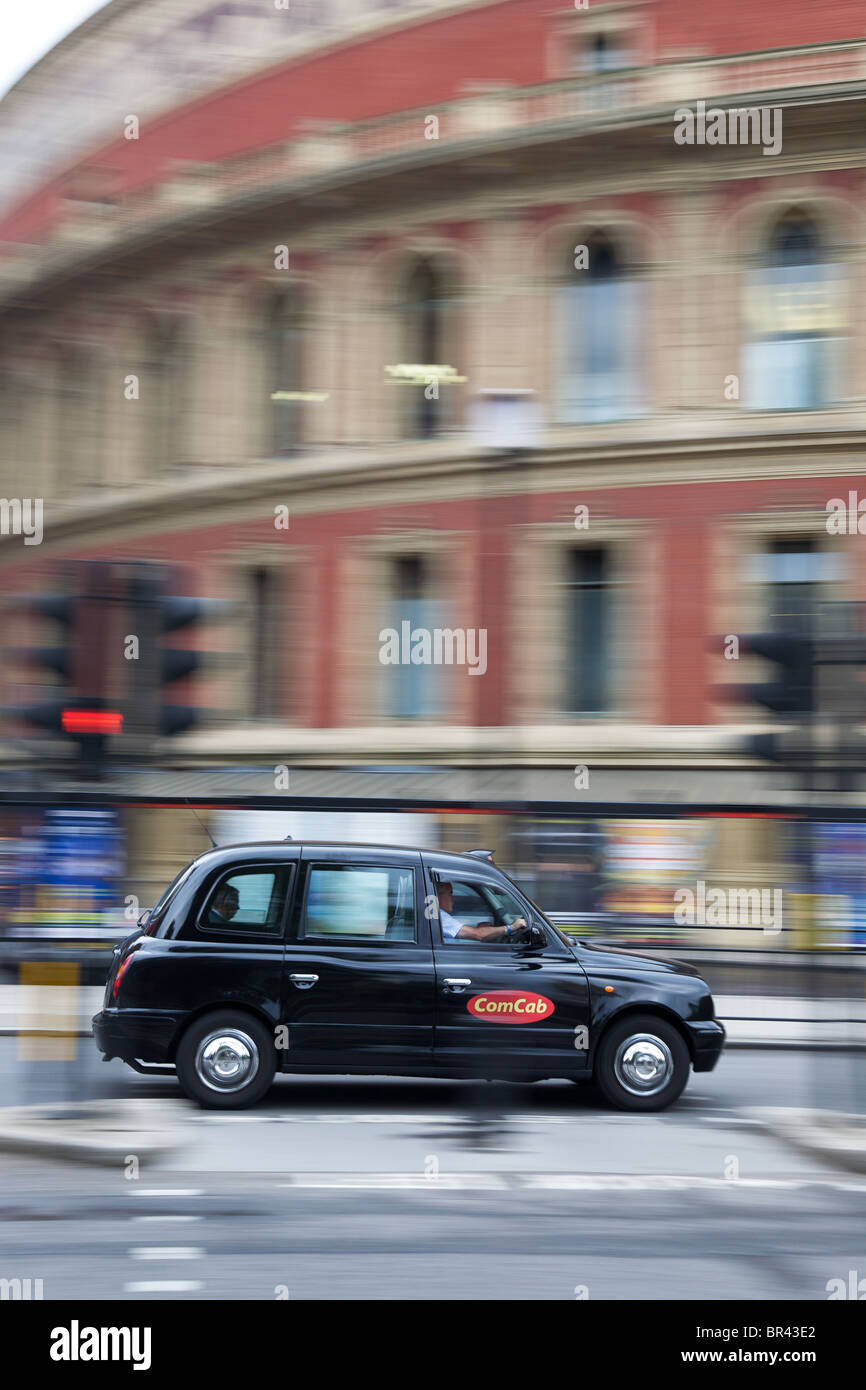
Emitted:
<point x="546" y="920"/>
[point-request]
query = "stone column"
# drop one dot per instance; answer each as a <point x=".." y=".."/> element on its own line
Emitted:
<point x="691" y="365"/>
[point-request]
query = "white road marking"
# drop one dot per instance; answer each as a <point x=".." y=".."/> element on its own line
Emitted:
<point x="370" y="1181"/>
<point x="167" y="1191"/>
<point x="164" y="1286"/>
<point x="234" y="1119"/>
<point x="657" y="1182"/>
<point x="167" y="1252"/>
<point x="576" y="1182"/>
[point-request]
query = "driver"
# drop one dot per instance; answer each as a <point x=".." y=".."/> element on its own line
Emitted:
<point x="485" y="931"/>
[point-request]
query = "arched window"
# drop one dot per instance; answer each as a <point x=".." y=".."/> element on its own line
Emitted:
<point x="598" y="361"/>
<point x="794" y="313"/>
<point x="425" y="345"/>
<point x="285" y="369"/>
<point x="602" y="54"/>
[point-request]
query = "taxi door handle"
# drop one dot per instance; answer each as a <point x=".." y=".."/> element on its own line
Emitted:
<point x="304" y="981"/>
<point x="455" y="986"/>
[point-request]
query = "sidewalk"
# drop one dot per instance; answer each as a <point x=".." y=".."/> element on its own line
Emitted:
<point x="754" y="1020"/>
<point x="48" y="1008"/>
<point x="837" y="1139"/>
<point x="108" y="1132"/>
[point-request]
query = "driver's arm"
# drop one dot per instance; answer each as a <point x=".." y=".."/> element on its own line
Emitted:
<point x="486" y="932"/>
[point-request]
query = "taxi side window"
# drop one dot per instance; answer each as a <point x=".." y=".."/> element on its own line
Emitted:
<point x="478" y="905"/>
<point x="470" y="906"/>
<point x="247" y="901"/>
<point x="360" y="902"/>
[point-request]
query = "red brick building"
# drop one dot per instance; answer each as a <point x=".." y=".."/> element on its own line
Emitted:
<point x="261" y="331"/>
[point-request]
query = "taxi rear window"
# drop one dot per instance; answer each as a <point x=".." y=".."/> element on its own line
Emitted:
<point x="249" y="899"/>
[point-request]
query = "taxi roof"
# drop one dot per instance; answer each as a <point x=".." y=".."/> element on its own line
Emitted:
<point x="289" y="843"/>
<point x="290" y="847"/>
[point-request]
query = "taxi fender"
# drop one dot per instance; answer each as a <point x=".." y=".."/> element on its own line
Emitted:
<point x="636" y="996"/>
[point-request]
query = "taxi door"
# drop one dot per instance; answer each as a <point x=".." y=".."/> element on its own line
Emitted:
<point x="358" y="986"/>
<point x="503" y="1008"/>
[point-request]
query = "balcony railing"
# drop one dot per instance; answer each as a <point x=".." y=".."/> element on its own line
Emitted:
<point x="493" y="113"/>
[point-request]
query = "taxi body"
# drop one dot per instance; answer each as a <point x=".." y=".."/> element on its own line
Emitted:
<point x="332" y="958"/>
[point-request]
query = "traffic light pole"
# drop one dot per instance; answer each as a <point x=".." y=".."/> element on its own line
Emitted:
<point x="815" y="691"/>
<point x="143" y="688"/>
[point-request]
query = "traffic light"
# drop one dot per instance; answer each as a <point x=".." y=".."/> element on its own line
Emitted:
<point x="791" y="694"/>
<point x="59" y="609"/>
<point x="155" y="612"/>
<point x="112" y="665"/>
<point x="86" y="707"/>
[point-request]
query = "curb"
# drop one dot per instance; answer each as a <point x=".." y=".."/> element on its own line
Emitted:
<point x="97" y="1132"/>
<point x="838" y="1139"/>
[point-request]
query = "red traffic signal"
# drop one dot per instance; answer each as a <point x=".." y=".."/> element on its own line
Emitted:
<point x="91" y="721"/>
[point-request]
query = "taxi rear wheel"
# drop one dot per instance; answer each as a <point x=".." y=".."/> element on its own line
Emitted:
<point x="226" y="1060"/>
<point x="642" y="1063"/>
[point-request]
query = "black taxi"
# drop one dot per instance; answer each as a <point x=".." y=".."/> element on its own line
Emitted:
<point x="372" y="960"/>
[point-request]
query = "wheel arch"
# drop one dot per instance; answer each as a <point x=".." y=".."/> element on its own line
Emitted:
<point x="216" y="1007"/>
<point x="651" y="1009"/>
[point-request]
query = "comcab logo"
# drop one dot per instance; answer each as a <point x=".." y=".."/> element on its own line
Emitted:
<point x="510" y="1006"/>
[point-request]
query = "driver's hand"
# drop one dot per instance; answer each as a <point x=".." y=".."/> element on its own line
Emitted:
<point x="519" y="924"/>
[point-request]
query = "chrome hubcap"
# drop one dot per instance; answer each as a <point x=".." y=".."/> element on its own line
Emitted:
<point x="644" y="1064"/>
<point x="226" y="1060"/>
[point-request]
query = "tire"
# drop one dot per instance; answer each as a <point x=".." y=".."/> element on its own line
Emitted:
<point x="631" y="1085"/>
<point x="206" y="1070"/>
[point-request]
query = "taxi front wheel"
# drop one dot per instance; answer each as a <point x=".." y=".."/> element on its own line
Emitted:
<point x="642" y="1063"/>
<point x="226" y="1060"/>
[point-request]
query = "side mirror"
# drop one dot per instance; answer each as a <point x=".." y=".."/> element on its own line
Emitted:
<point x="145" y="917"/>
